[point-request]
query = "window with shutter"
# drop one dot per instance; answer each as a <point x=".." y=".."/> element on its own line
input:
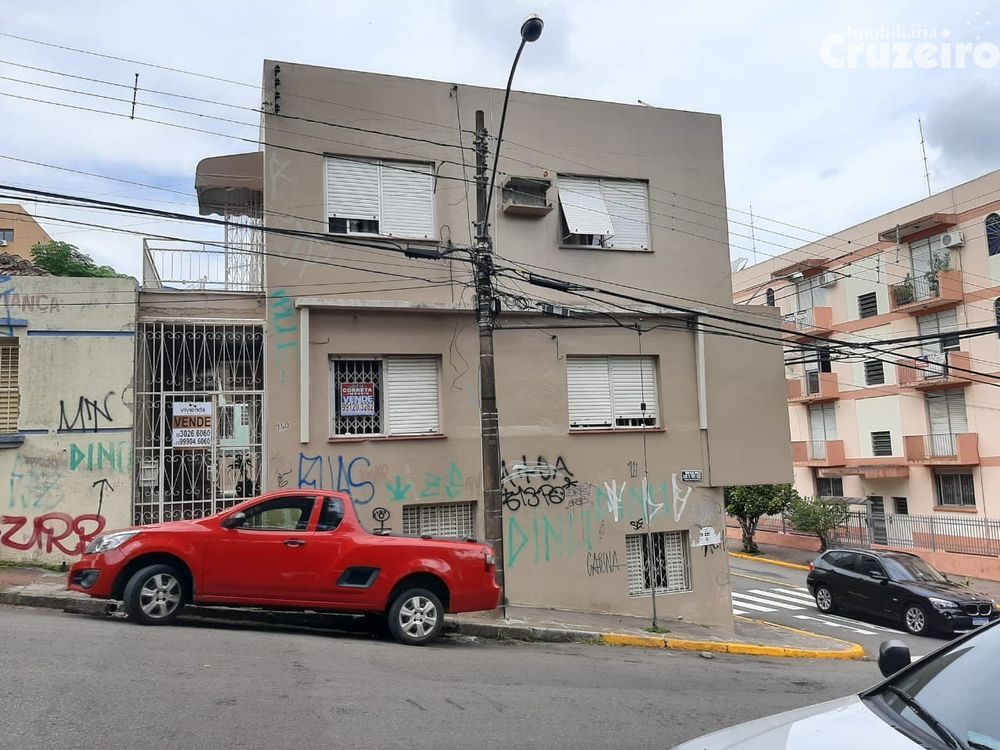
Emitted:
<point x="867" y="305"/>
<point x="882" y="443"/>
<point x="657" y="560"/>
<point x="613" y="214"/>
<point x="611" y="392"/>
<point x="412" y="398"/>
<point x="9" y="392"/>
<point x="942" y="326"/>
<point x="440" y="519"/>
<point x="874" y="372"/>
<point x="393" y="395"/>
<point x="376" y="196"/>
<point x="993" y="234"/>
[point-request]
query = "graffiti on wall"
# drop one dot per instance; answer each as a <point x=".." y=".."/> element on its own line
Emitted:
<point x="530" y="484"/>
<point x="33" y="483"/>
<point x="286" y="331"/>
<point x="51" y="532"/>
<point x="364" y="481"/>
<point x="115" y="456"/>
<point x="85" y="415"/>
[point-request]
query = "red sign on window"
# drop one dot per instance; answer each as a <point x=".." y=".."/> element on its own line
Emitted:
<point x="357" y="399"/>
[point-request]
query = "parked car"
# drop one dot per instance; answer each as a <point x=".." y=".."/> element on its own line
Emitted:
<point x="289" y="550"/>
<point x="897" y="586"/>
<point x="946" y="700"/>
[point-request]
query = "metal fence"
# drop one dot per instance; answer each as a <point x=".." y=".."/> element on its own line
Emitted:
<point x="940" y="533"/>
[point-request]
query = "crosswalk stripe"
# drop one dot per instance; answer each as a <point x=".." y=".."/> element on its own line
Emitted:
<point x="800" y="592"/>
<point x="754" y="607"/>
<point x="761" y="600"/>
<point x="779" y="595"/>
<point x="738" y="611"/>
<point x="859" y="631"/>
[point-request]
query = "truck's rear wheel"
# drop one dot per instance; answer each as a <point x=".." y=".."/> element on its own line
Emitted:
<point x="416" y="617"/>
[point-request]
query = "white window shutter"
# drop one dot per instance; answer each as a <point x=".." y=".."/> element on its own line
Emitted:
<point x="411" y="394"/>
<point x="407" y="200"/>
<point x="633" y="382"/>
<point x="584" y="207"/>
<point x="589" y="392"/>
<point x="352" y="189"/>
<point x="628" y="208"/>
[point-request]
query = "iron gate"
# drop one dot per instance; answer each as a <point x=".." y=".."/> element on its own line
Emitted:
<point x="220" y="368"/>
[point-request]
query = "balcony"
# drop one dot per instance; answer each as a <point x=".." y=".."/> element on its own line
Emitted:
<point x="945" y="449"/>
<point x="813" y="388"/>
<point x="936" y="290"/>
<point x="196" y="266"/>
<point x="944" y="370"/>
<point x="818" y="453"/>
<point x="816" y="321"/>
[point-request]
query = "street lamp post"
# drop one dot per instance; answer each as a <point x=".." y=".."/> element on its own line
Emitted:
<point x="489" y="418"/>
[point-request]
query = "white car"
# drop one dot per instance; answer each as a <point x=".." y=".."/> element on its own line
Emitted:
<point x="949" y="700"/>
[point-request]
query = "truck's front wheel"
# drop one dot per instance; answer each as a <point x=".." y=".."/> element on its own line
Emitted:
<point x="416" y="617"/>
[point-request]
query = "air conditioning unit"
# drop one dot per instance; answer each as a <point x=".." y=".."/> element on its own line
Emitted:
<point x="3" y="243"/>
<point x="826" y="279"/>
<point x="952" y="239"/>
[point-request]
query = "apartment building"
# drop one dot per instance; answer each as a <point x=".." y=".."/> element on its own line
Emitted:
<point x="619" y="427"/>
<point x="892" y="394"/>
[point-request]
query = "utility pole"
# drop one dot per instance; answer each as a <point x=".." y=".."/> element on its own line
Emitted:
<point x="485" y="316"/>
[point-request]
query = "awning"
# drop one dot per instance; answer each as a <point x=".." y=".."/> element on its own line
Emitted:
<point x="880" y="471"/>
<point x="225" y="184"/>
<point x="925" y="225"/>
<point x="806" y="268"/>
<point x="584" y="207"/>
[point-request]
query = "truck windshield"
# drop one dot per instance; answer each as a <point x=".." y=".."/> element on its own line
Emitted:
<point x="960" y="688"/>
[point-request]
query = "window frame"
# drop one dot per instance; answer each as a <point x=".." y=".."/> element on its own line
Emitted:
<point x="565" y="236"/>
<point x="383" y="397"/>
<point x="939" y="495"/>
<point x="379" y="162"/>
<point x="875" y="450"/>
<point x="420" y="509"/>
<point x="769" y="297"/>
<point x="991" y="226"/>
<point x="868" y="366"/>
<point x="5" y="231"/>
<point x="819" y="479"/>
<point x="644" y="543"/>
<point x="253" y="511"/>
<point x="862" y="306"/>
<point x="612" y="425"/>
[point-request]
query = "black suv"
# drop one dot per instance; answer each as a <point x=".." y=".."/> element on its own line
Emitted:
<point x="898" y="586"/>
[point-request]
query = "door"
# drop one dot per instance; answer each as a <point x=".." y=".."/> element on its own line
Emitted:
<point x="871" y="585"/>
<point x="947" y="417"/>
<point x="840" y="577"/>
<point x="272" y="555"/>
<point x="822" y="427"/>
<point x="876" y="520"/>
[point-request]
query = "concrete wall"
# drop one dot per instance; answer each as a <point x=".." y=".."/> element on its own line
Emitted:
<point x="76" y="339"/>
<point x="570" y="551"/>
<point x="27" y="232"/>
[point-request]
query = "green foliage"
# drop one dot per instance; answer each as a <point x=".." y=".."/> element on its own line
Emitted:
<point x="748" y="503"/>
<point x="817" y="516"/>
<point x="64" y="259"/>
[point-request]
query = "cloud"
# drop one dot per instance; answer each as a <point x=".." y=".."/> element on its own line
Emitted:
<point x="962" y="127"/>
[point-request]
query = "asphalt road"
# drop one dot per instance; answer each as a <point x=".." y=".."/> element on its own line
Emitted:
<point x="71" y="681"/>
<point x="777" y="594"/>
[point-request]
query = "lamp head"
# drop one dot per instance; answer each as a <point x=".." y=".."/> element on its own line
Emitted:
<point x="531" y="29"/>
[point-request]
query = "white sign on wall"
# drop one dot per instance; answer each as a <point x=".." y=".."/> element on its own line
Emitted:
<point x="191" y="424"/>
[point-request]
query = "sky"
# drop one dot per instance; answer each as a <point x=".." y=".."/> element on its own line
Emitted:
<point x="820" y="131"/>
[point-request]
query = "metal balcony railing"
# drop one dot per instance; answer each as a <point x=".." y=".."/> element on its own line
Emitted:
<point x="186" y="265"/>
<point x="941" y="445"/>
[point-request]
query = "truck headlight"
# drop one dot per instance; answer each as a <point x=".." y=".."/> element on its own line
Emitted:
<point x="109" y="541"/>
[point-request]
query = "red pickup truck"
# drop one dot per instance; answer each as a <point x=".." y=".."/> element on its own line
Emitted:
<point x="302" y="549"/>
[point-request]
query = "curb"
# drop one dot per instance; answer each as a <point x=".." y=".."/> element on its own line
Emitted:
<point x="854" y="653"/>
<point x="768" y="560"/>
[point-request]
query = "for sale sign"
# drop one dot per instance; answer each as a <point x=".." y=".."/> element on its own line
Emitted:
<point x="191" y="426"/>
<point x="357" y="399"/>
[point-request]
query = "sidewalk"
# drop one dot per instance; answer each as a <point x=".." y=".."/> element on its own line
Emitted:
<point x="772" y="552"/>
<point x="34" y="587"/>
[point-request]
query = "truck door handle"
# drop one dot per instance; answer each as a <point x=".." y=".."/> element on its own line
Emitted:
<point x="294" y="543"/>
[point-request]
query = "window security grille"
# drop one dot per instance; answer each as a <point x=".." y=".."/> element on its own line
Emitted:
<point x="659" y="560"/>
<point x="442" y="519"/>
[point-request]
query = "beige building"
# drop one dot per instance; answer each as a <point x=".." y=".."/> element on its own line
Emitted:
<point x="19" y="232"/>
<point x="906" y="418"/>
<point x="66" y="397"/>
<point x="615" y="445"/>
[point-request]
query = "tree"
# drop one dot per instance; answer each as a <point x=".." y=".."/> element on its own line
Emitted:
<point x="64" y="259"/>
<point x="817" y="516"/>
<point x="752" y="501"/>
